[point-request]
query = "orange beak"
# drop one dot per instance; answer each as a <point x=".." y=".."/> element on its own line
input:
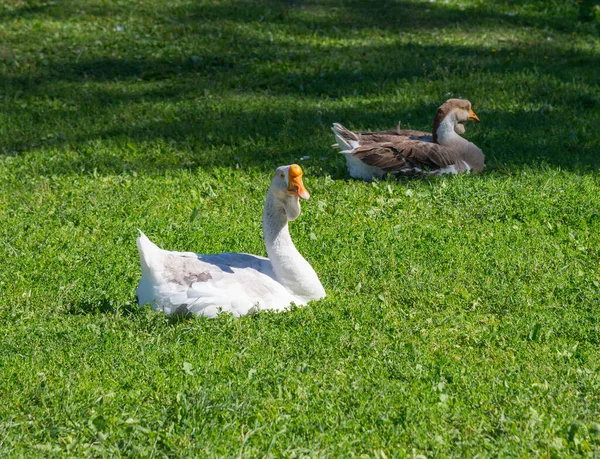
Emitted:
<point x="473" y="116"/>
<point x="295" y="185"/>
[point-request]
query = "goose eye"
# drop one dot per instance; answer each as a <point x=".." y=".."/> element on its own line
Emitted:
<point x="281" y="175"/>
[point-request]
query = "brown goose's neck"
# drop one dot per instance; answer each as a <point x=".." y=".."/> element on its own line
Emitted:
<point x="444" y="131"/>
<point x="440" y="116"/>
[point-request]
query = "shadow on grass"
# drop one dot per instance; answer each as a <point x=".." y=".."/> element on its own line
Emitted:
<point x="102" y="306"/>
<point x="235" y="85"/>
<point x="131" y="309"/>
<point x="348" y="15"/>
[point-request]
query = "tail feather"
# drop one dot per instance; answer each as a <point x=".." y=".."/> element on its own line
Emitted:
<point x="151" y="257"/>
<point x="347" y="140"/>
<point x="149" y="252"/>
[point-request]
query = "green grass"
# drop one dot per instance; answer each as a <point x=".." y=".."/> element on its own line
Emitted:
<point x="463" y="314"/>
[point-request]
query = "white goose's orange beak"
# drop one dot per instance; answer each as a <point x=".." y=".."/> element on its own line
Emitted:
<point x="473" y="116"/>
<point x="295" y="185"/>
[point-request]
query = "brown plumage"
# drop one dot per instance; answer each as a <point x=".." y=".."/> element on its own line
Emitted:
<point x="409" y="152"/>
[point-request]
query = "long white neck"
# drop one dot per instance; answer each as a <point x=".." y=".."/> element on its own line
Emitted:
<point x="446" y="133"/>
<point x="291" y="269"/>
<point x="465" y="151"/>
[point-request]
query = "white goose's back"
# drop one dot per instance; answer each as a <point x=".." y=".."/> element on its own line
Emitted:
<point x="188" y="283"/>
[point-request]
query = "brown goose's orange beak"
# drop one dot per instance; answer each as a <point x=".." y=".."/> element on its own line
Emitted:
<point x="473" y="116"/>
<point x="295" y="185"/>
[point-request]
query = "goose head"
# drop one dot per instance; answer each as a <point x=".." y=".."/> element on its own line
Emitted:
<point x="452" y="115"/>
<point x="288" y="189"/>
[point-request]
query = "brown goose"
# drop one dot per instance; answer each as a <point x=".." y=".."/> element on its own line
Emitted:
<point x="408" y="152"/>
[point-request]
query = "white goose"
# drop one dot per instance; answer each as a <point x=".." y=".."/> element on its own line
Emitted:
<point x="238" y="283"/>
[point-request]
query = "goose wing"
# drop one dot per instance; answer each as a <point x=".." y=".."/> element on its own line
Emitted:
<point x="404" y="155"/>
<point x="238" y="283"/>
<point x="398" y="135"/>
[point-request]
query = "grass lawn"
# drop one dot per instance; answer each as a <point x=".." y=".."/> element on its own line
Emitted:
<point x="463" y="314"/>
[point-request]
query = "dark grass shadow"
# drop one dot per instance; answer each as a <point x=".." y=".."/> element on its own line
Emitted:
<point x="136" y="99"/>
<point x="399" y="14"/>
<point x="132" y="310"/>
<point x="102" y="306"/>
<point x="539" y="136"/>
<point x="24" y="11"/>
<point x="127" y="309"/>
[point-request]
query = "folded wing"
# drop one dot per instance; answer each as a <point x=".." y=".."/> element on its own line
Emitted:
<point x="403" y="155"/>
